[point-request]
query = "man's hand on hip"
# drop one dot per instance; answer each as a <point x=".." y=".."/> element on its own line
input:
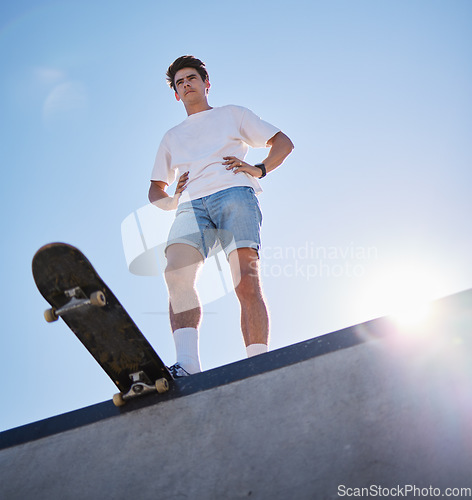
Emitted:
<point x="162" y="200"/>
<point x="237" y="165"/>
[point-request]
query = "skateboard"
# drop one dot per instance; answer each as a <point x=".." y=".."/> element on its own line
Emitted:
<point x="77" y="294"/>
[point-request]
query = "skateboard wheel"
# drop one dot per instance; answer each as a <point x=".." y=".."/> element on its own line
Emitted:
<point x="118" y="400"/>
<point x="162" y="385"/>
<point x="98" y="299"/>
<point x="50" y="315"/>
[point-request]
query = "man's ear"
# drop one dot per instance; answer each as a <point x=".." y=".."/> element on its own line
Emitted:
<point x="207" y="86"/>
<point x="177" y="96"/>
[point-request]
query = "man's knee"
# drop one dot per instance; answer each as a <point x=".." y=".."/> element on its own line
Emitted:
<point x="244" y="264"/>
<point x="183" y="263"/>
<point x="248" y="289"/>
<point x="179" y="277"/>
<point x="171" y="276"/>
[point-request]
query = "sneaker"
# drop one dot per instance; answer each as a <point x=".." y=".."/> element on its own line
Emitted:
<point x="177" y="371"/>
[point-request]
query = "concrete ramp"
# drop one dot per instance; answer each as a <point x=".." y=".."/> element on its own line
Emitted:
<point x="372" y="410"/>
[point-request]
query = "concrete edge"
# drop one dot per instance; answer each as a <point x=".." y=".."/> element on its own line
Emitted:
<point x="239" y="370"/>
<point x="204" y="381"/>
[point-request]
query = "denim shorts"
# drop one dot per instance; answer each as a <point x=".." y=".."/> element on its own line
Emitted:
<point x="231" y="217"/>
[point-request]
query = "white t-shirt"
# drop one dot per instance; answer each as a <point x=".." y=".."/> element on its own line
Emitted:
<point x="200" y="142"/>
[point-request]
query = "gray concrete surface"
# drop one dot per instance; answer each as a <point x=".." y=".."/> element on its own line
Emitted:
<point x="387" y="413"/>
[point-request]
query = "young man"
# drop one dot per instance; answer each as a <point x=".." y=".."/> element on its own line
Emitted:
<point x="216" y="202"/>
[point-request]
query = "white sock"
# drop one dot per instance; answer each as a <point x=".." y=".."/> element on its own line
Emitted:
<point x="255" y="349"/>
<point x="186" y="347"/>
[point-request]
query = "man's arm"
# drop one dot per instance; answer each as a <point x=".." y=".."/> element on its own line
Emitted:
<point x="280" y="147"/>
<point x="158" y="196"/>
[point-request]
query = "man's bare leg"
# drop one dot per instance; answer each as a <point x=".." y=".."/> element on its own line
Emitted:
<point x="245" y="270"/>
<point x="183" y="264"/>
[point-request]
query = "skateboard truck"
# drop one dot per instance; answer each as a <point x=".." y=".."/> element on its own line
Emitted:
<point x="77" y="300"/>
<point x="141" y="385"/>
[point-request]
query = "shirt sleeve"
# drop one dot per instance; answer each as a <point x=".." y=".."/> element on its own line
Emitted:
<point x="162" y="170"/>
<point x="254" y="131"/>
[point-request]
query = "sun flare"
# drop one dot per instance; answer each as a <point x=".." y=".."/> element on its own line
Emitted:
<point x="403" y="292"/>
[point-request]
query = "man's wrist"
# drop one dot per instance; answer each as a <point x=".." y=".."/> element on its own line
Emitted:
<point x="262" y="167"/>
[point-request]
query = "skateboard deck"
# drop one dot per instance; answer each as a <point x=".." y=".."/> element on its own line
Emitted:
<point x="77" y="294"/>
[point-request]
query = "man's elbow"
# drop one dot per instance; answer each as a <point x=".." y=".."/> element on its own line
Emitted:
<point x="150" y="194"/>
<point x="287" y="144"/>
<point x="284" y="142"/>
<point x="157" y="191"/>
<point x="290" y="145"/>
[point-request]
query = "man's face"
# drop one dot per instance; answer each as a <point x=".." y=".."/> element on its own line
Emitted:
<point x="189" y="86"/>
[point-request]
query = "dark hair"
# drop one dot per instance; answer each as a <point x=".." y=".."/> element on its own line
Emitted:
<point x="185" y="62"/>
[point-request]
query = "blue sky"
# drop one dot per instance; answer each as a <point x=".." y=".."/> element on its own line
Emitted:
<point x="371" y="209"/>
